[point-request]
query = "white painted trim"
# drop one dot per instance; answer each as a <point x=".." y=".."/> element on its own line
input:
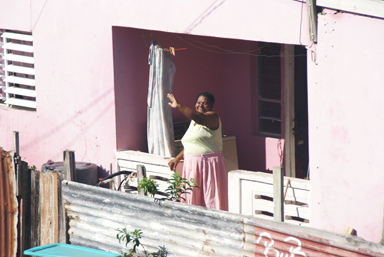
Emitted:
<point x="244" y="185"/>
<point x="19" y="58"/>
<point x="21" y="91"/>
<point x="19" y="69"/>
<point x="366" y="7"/>
<point x="17" y="36"/>
<point x="22" y="81"/>
<point x="21" y="102"/>
<point x="18" y="47"/>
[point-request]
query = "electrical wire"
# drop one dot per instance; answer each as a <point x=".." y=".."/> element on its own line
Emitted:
<point x="208" y="48"/>
<point x="226" y="51"/>
<point x="122" y="183"/>
<point x="114" y="175"/>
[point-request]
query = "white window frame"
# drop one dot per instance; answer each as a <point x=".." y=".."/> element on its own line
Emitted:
<point x="18" y="81"/>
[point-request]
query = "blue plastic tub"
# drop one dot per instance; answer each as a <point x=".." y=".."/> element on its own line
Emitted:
<point x="65" y="250"/>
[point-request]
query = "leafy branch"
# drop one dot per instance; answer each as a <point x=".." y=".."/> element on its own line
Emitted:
<point x="178" y="186"/>
<point x="134" y="237"/>
<point x="148" y="186"/>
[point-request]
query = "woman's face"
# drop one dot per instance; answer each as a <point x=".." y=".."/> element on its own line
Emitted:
<point x="203" y="105"/>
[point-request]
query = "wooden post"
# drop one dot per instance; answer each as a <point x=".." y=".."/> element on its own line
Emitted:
<point x="17" y="159"/>
<point x="62" y="226"/>
<point x="35" y="208"/>
<point x="278" y="201"/>
<point x="141" y="173"/>
<point x="289" y="112"/>
<point x="24" y="199"/>
<point x="16" y="142"/>
<point x="118" y="179"/>
<point x="69" y="165"/>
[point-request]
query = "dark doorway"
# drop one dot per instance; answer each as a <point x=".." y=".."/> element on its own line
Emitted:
<point x="301" y="113"/>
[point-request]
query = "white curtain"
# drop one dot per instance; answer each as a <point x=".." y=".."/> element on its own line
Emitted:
<point x="160" y="137"/>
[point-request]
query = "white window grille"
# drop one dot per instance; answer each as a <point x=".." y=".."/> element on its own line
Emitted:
<point x="18" y="87"/>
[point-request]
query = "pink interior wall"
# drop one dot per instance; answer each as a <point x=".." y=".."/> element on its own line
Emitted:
<point x="345" y="124"/>
<point x="196" y="71"/>
<point x="130" y="57"/>
<point x="200" y="66"/>
<point x="238" y="85"/>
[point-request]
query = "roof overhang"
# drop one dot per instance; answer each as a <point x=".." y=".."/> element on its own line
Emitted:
<point x="366" y="7"/>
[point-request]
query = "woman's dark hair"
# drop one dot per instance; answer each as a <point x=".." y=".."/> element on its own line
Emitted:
<point x="208" y="95"/>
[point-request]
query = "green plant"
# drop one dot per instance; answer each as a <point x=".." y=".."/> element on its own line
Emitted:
<point x="179" y="186"/>
<point x="134" y="237"/>
<point x="148" y="186"/>
<point x="33" y="167"/>
<point x="128" y="237"/>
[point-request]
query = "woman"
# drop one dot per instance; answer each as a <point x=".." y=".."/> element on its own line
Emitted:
<point x="203" y="160"/>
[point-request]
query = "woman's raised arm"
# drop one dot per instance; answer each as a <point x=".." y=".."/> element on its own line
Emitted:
<point x="209" y="119"/>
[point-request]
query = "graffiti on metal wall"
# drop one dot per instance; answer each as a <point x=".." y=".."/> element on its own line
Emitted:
<point x="269" y="242"/>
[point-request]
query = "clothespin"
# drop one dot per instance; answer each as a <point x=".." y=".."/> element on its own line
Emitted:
<point x="172" y="51"/>
<point x="154" y="42"/>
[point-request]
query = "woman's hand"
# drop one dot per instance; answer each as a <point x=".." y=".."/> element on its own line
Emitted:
<point x="173" y="100"/>
<point x="173" y="163"/>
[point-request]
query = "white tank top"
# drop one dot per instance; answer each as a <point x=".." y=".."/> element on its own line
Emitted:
<point x="200" y="139"/>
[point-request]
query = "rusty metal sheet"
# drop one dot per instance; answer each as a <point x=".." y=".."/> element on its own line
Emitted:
<point x="270" y="238"/>
<point x="186" y="230"/>
<point x="8" y="205"/>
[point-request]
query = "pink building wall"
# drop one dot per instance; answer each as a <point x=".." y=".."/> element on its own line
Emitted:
<point x="92" y="86"/>
<point x="345" y="124"/>
<point x="76" y="55"/>
<point x="91" y="66"/>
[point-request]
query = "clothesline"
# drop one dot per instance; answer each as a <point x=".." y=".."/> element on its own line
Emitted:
<point x="172" y="49"/>
<point x="221" y="50"/>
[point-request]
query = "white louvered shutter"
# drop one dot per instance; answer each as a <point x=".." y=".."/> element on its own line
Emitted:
<point x="19" y="72"/>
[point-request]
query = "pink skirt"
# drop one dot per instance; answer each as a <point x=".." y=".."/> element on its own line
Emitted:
<point x="210" y="173"/>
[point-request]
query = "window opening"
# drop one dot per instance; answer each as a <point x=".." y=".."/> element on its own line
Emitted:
<point x="18" y="77"/>
<point x="269" y="89"/>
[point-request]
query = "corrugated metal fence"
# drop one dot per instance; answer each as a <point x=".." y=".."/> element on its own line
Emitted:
<point x="31" y="210"/>
<point x="95" y="214"/>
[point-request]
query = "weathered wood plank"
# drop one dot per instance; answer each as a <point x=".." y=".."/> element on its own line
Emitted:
<point x="140" y="175"/>
<point x="142" y="157"/>
<point x="69" y="165"/>
<point x="24" y="206"/>
<point x="131" y="165"/>
<point x="52" y="224"/>
<point x="35" y="210"/>
<point x="278" y="193"/>
<point x="16" y="143"/>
